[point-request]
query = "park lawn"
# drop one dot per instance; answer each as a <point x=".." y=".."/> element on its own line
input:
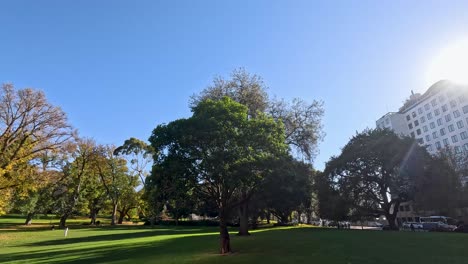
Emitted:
<point x="138" y="244"/>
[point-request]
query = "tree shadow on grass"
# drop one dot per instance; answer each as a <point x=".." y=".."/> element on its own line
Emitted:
<point x="117" y="236"/>
<point x="174" y="250"/>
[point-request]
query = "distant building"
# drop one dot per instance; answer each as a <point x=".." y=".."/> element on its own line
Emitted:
<point x="436" y="119"/>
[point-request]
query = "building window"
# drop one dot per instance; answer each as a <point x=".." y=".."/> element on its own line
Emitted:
<point x="442" y="131"/>
<point x="437" y="112"/>
<point x="429" y="116"/>
<point x="444" y="108"/>
<point x="408" y="117"/>
<point x="451" y="128"/>
<point x="428" y="138"/>
<point x="432" y="125"/>
<point x="418" y="132"/>
<point x="448" y="118"/>
<point x="453" y="103"/>
<point x="456" y="113"/>
<point x="434" y="134"/>
<point x="454" y="139"/>
<point x="465" y="147"/>
<point x="464" y="135"/>
<point x="416" y="123"/>
<point x="438" y="146"/>
<point x="420" y="141"/>
<point x="413" y="114"/>
<point x="412" y="134"/>
<point x="439" y="121"/>
<point x="461" y="98"/>
<point x="457" y="149"/>
<point x="420" y="111"/>
<point x="423" y="119"/>
<point x="460" y="124"/>
<point x="446" y="142"/>
<point x="425" y="128"/>
<point x="429" y="148"/>
<point x="433" y="102"/>
<point x="426" y="106"/>
<point x="465" y="109"/>
<point x="410" y="125"/>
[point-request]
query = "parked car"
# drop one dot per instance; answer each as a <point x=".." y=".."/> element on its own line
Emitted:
<point x="438" y="227"/>
<point x="416" y="226"/>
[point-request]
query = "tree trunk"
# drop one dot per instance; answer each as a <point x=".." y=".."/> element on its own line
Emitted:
<point x="299" y="218"/>
<point x="29" y="218"/>
<point x="268" y="216"/>
<point x="114" y="214"/>
<point x="308" y="217"/>
<point x="244" y="220"/>
<point x="121" y="217"/>
<point x="63" y="220"/>
<point x="225" y="243"/>
<point x="391" y="217"/>
<point x="94" y="213"/>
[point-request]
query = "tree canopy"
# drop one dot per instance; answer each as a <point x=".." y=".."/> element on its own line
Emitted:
<point x="214" y="147"/>
<point x="376" y="172"/>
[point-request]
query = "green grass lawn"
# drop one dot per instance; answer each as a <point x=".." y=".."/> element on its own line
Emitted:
<point x="138" y="244"/>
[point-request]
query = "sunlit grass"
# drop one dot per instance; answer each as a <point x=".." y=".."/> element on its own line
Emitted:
<point x="139" y="244"/>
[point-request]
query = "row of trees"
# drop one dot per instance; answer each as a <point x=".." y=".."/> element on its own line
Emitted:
<point x="82" y="177"/>
<point x="240" y="156"/>
<point x="46" y="168"/>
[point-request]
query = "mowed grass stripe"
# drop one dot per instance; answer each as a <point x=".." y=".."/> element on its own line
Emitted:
<point x="137" y="244"/>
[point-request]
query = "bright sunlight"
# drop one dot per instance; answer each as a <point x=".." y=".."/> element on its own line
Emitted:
<point x="450" y="64"/>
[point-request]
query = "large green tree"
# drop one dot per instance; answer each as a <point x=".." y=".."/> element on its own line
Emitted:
<point x="213" y="148"/>
<point x="376" y="172"/>
<point x="302" y="120"/>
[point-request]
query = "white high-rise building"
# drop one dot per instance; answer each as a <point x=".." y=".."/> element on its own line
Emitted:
<point x="437" y="118"/>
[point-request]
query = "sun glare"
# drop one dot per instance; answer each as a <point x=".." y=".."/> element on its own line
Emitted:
<point x="450" y="64"/>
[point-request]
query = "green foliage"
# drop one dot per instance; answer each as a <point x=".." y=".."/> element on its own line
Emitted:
<point x="439" y="188"/>
<point x="217" y="152"/>
<point x="287" y="187"/>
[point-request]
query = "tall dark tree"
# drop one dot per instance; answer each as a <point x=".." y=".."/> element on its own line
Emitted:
<point x="376" y="170"/>
<point x="439" y="189"/>
<point x="287" y="187"/>
<point x="213" y="147"/>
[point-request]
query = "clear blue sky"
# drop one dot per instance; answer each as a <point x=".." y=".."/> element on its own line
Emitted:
<point x="119" y="68"/>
